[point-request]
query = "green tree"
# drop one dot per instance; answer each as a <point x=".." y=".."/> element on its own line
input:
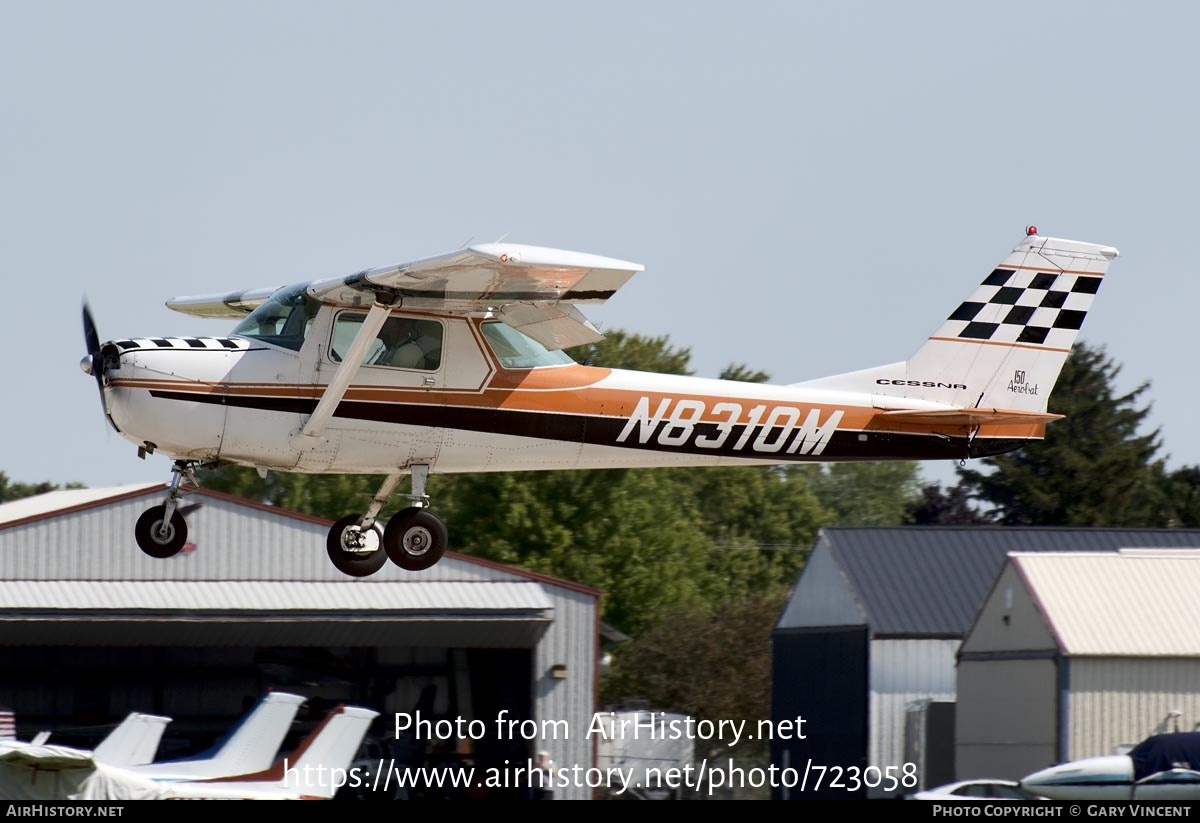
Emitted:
<point x="1094" y="468"/>
<point x="867" y="494"/>
<point x="709" y="665"/>
<point x="737" y="371"/>
<point x="946" y="507"/>
<point x="624" y="350"/>
<point x="1182" y="489"/>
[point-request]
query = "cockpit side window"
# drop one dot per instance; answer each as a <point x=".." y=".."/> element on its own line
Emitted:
<point x="516" y="351"/>
<point x="402" y="342"/>
<point x="283" y="319"/>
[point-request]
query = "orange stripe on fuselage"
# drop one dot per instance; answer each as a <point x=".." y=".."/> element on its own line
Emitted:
<point x="538" y="391"/>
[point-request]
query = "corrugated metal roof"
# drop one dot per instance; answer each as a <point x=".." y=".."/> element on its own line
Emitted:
<point x="230" y="538"/>
<point x="917" y="581"/>
<point x="1131" y="603"/>
<point x="63" y="499"/>
<point x="159" y="596"/>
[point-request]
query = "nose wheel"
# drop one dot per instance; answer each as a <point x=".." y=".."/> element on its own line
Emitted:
<point x="159" y="534"/>
<point x="161" y="531"/>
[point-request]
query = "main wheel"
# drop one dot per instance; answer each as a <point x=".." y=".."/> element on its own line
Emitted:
<point x="354" y="551"/>
<point x="415" y="539"/>
<point x="158" y="538"/>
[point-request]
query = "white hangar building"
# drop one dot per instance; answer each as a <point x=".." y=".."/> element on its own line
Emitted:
<point x="92" y="629"/>
<point x="1074" y="655"/>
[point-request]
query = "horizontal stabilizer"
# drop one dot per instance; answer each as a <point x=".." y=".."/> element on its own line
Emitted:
<point x="968" y="417"/>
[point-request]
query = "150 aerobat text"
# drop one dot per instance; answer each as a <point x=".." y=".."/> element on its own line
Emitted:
<point x="763" y="430"/>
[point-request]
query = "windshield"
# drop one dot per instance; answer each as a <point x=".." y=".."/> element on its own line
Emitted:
<point x="516" y="351"/>
<point x="283" y="320"/>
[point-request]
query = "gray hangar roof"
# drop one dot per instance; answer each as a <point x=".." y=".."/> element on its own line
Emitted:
<point x="253" y="574"/>
<point x="929" y="581"/>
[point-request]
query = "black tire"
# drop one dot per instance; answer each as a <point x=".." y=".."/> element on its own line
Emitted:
<point x="415" y="539"/>
<point x="345" y="557"/>
<point x="153" y="540"/>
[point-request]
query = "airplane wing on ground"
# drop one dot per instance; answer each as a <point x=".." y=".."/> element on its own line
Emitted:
<point x="532" y="288"/>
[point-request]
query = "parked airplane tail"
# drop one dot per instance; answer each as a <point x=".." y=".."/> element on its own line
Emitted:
<point x="333" y="745"/>
<point x="1005" y="345"/>
<point x="250" y="745"/>
<point x="134" y="742"/>
<point x="317" y="765"/>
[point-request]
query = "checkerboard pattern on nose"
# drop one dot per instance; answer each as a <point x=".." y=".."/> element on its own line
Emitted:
<point x="1025" y="306"/>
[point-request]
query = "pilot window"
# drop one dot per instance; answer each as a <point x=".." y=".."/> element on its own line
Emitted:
<point x="282" y="320"/>
<point x="516" y="351"/>
<point x="402" y="342"/>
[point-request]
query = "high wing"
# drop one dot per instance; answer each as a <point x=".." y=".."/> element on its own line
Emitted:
<point x="232" y="304"/>
<point x="531" y="288"/>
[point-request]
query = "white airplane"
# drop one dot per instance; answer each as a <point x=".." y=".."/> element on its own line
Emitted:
<point x="454" y="363"/>
<point x="134" y="741"/>
<point x="249" y="746"/>
<point x="1163" y="767"/>
<point x="318" y="767"/>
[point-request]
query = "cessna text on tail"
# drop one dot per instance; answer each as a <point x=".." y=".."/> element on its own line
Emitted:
<point x="455" y="364"/>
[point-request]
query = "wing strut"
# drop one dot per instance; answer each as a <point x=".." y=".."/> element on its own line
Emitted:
<point x="353" y="358"/>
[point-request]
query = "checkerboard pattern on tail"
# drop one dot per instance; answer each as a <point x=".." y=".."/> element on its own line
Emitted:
<point x="1019" y="305"/>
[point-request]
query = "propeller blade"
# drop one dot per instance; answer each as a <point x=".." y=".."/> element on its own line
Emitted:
<point x="90" y="337"/>
<point x="93" y="363"/>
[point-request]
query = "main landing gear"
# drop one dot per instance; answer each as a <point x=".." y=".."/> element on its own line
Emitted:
<point x="414" y="539"/>
<point x="161" y="531"/>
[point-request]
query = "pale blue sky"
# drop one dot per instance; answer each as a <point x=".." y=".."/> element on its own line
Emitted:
<point x="812" y="187"/>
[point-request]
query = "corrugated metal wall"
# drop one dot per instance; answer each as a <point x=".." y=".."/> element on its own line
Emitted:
<point x="232" y="542"/>
<point x="571" y="641"/>
<point x="903" y="671"/>
<point x="1116" y="701"/>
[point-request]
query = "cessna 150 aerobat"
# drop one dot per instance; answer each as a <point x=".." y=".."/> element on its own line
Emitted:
<point x="454" y="363"/>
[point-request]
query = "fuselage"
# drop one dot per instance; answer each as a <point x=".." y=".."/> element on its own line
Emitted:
<point x="490" y="401"/>
<point x="1112" y="778"/>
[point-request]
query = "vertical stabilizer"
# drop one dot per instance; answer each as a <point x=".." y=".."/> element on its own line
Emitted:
<point x="251" y="745"/>
<point x="1005" y="345"/>
<point x="318" y="767"/>
<point x="133" y="742"/>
